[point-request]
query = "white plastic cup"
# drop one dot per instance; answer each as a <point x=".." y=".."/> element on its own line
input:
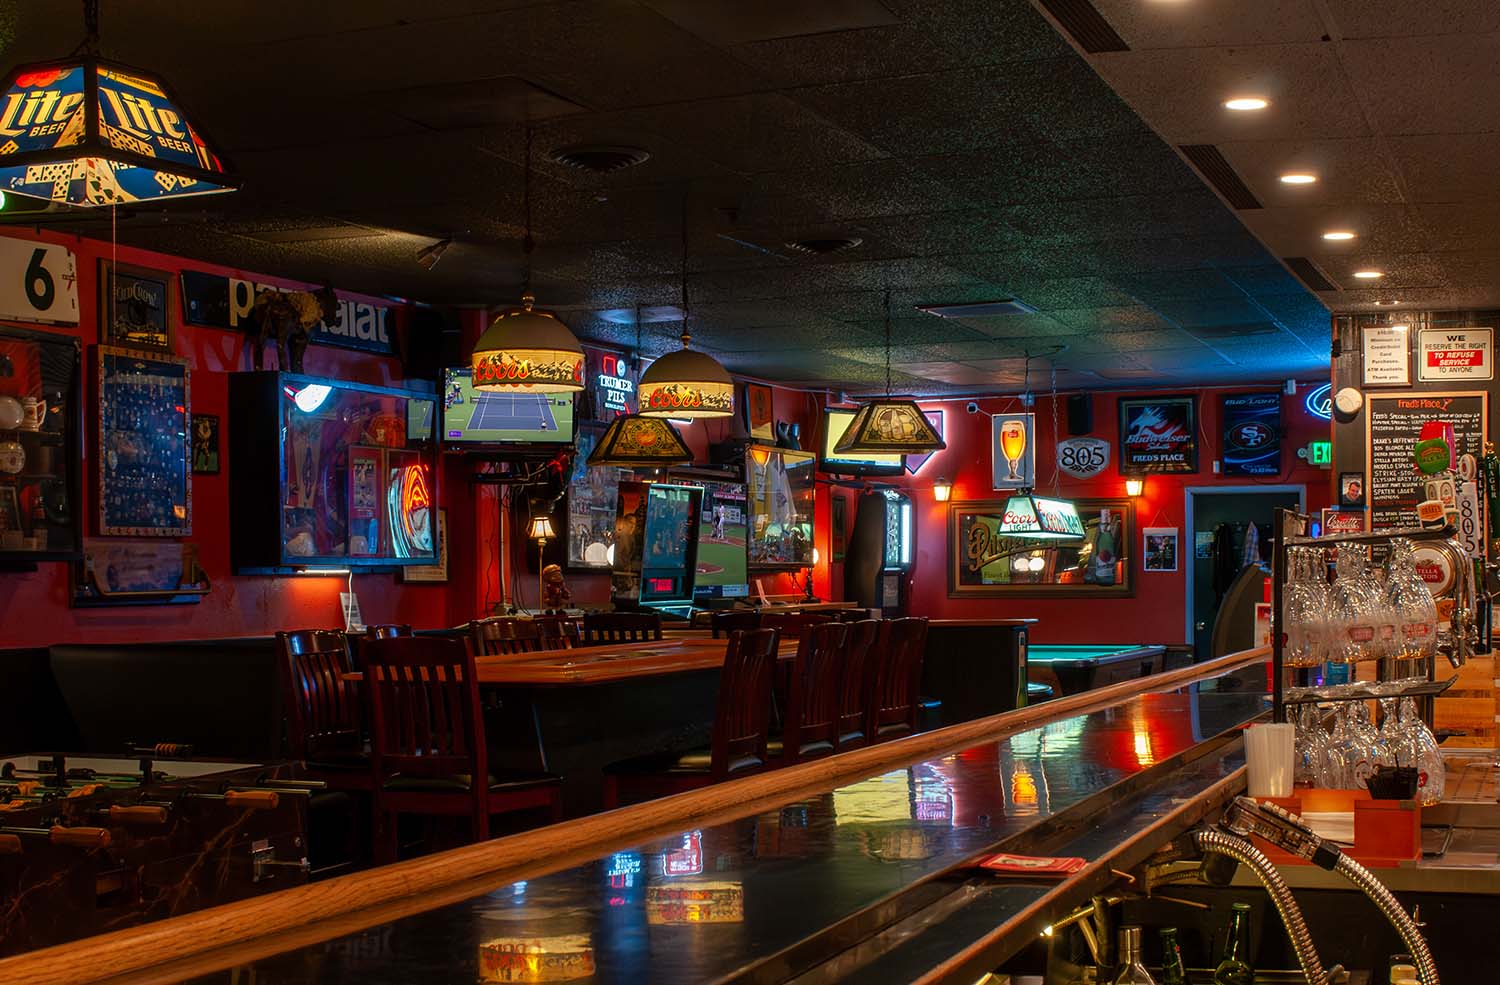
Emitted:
<point x="1269" y="753"/>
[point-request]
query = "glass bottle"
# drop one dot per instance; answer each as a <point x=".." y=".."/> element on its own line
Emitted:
<point x="1172" y="970"/>
<point x="1234" y="968"/>
<point x="1132" y="969"/>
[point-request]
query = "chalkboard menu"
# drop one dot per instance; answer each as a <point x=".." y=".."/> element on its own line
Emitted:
<point x="145" y="487"/>
<point x="1393" y="425"/>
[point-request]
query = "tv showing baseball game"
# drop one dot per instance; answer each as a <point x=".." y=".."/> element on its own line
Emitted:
<point x="478" y="417"/>
<point x="723" y="562"/>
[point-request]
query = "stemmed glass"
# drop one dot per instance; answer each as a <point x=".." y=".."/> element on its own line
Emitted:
<point x="1416" y="613"/>
<point x="1356" y="600"/>
<point x="1315" y="764"/>
<point x="1427" y="754"/>
<point x="1306" y="609"/>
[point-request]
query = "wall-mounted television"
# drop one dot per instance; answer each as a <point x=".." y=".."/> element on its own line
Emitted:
<point x="476" y="417"/>
<point x="779" y="497"/>
<point x="835" y="423"/>
<point x="723" y="567"/>
<point x="656" y="543"/>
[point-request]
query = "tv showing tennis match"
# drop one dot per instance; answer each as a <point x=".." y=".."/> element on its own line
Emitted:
<point x="722" y="565"/>
<point x="478" y="417"/>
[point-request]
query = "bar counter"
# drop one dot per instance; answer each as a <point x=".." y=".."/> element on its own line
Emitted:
<point x="693" y="887"/>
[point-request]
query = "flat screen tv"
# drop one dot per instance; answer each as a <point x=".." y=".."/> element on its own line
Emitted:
<point x="835" y="422"/>
<point x="475" y="417"/>
<point x="779" y="497"/>
<point x="723" y="569"/>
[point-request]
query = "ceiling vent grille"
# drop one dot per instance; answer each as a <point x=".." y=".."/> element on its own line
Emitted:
<point x="600" y="159"/>
<point x="1086" y="25"/>
<point x="978" y="309"/>
<point x="1217" y="171"/>
<point x="825" y="245"/>
<point x="1308" y="273"/>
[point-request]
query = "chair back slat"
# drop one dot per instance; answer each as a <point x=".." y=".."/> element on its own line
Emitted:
<point x="791" y="625"/>
<point x="387" y="631"/>
<point x="857" y="668"/>
<point x="743" y="716"/>
<point x="424" y="706"/>
<point x="506" y="636"/>
<point x="726" y="622"/>
<point x="620" y="627"/>
<point x="898" y="674"/>
<point x="814" y="703"/>
<point x="323" y="709"/>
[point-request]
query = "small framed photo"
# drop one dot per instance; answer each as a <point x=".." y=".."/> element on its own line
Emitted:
<point x="205" y="444"/>
<point x="1161" y="549"/>
<point x="438" y="571"/>
<point x="134" y="307"/>
<point x="1352" y="490"/>
<point x="758" y="413"/>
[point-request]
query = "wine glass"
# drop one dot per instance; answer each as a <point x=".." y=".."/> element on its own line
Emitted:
<point x="1305" y="608"/>
<point x="1427" y="754"/>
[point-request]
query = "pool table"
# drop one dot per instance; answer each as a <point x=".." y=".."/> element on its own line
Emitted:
<point x="1071" y="669"/>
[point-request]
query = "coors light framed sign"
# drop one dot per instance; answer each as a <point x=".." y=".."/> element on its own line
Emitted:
<point x="1158" y="434"/>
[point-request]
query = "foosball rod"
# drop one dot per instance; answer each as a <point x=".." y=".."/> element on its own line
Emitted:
<point x="59" y="835"/>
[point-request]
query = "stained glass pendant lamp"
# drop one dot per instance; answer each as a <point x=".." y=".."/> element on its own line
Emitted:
<point x="888" y="425"/>
<point x="526" y="350"/>
<point x="85" y="131"/>
<point x="634" y="441"/>
<point x="1036" y="518"/>
<point x="685" y="383"/>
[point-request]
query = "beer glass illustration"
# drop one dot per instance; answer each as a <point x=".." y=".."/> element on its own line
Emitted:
<point x="1013" y="446"/>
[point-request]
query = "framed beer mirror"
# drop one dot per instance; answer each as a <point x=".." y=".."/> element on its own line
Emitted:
<point x="982" y="561"/>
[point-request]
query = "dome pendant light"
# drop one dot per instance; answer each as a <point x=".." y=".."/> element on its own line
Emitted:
<point x="525" y="350"/>
<point x="686" y="384"/>
<point x="889" y="426"/>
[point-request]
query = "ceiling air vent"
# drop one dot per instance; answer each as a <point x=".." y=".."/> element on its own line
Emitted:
<point x="600" y="159"/>
<point x="1086" y="25"/>
<point x="1309" y="274"/>
<point x="1217" y="172"/>
<point x="979" y="309"/>
<point x="824" y="246"/>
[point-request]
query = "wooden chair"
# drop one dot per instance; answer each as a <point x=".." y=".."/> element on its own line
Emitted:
<point x="559" y="632"/>
<point x="428" y="743"/>
<point x="507" y="637"/>
<point x="894" y="705"/>
<point x="856" y="682"/>
<point x="620" y="627"/>
<point x="812" y="715"/>
<point x="791" y="625"/>
<point x="387" y="631"/>
<point x="740" y="730"/>
<point x="325" y="718"/>
<point x="729" y="620"/>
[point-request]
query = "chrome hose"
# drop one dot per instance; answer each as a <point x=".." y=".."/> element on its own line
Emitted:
<point x="1411" y="936"/>
<point x="1247" y="854"/>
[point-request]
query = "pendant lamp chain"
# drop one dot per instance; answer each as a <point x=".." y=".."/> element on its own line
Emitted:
<point x="527" y="243"/>
<point x="888" y="342"/>
<point x="686" y="335"/>
<point x="90" y="44"/>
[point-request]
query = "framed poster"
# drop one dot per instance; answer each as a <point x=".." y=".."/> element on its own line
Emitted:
<point x="779" y="500"/>
<point x="1013" y="451"/>
<point x="1161" y="549"/>
<point x="134" y="308"/>
<point x="1158" y="434"/>
<point x="1461" y="354"/>
<point x="437" y="571"/>
<point x="205" y="444"/>
<point x="145" y="476"/>
<point x="593" y="493"/>
<point x="1252" y="434"/>
<point x="840" y="539"/>
<point x="1386" y="355"/>
<point x="983" y="563"/>
<point x="1352" y="490"/>
<point x="365" y="497"/>
<point x="759" y="417"/>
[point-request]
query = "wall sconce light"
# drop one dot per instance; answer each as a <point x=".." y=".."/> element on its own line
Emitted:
<point x="817" y="557"/>
<point x="942" y="490"/>
<point x="1134" y="486"/>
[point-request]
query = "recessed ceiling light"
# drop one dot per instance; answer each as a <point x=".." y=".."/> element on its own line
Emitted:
<point x="1338" y="234"/>
<point x="1385" y="304"/>
<point x="1368" y="274"/>
<point x="1298" y="178"/>
<point x="1244" y="104"/>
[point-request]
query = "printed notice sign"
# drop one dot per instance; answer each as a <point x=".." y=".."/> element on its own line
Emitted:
<point x="1387" y="360"/>
<point x="1445" y="354"/>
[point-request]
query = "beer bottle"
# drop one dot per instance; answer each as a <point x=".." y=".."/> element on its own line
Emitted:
<point x="1234" y="968"/>
<point x="1172" y="971"/>
<point x="1132" y="969"/>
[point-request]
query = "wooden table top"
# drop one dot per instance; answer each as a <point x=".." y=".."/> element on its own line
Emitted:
<point x="603" y="664"/>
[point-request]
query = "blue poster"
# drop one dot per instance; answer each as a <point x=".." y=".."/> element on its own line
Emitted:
<point x="1252" y="434"/>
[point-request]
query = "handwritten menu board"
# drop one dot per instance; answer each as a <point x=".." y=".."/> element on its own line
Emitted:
<point x="145" y="487"/>
<point x="1393" y="426"/>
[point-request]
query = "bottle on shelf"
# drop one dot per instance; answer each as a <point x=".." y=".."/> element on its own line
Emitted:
<point x="1172" y="970"/>
<point x="1234" y="968"/>
<point x="1132" y="969"/>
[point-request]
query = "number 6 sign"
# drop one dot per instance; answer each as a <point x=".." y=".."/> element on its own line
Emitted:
<point x="38" y="283"/>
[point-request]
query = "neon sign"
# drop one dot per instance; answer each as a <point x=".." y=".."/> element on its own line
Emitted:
<point x="1319" y="402"/>
<point x="615" y="388"/>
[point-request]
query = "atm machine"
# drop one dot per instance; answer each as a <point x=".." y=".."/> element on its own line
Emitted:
<point x="878" y="559"/>
<point x="656" y="547"/>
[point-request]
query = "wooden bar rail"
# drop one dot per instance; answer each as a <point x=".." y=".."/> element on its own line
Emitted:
<point x="225" y="936"/>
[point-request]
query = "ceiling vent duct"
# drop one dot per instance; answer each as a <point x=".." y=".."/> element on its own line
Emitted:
<point x="1217" y="171"/>
<point x="979" y="309"/>
<point x="1085" y="25"/>
<point x="1308" y="273"/>
<point x="599" y="159"/>
<point x="824" y="246"/>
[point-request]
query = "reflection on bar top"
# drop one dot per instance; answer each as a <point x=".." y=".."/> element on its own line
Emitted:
<point x="702" y="903"/>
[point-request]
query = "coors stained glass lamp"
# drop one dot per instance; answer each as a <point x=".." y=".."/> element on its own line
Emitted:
<point x="1036" y="518"/>
<point x="686" y="384"/>
<point x="527" y="350"/>
<point x="633" y="441"/>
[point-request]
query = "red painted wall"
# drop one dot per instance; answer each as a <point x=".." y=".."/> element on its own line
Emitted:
<point x="34" y="607"/>
<point x="1157" y="611"/>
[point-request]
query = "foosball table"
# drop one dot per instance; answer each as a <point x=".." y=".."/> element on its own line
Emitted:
<point x="90" y="844"/>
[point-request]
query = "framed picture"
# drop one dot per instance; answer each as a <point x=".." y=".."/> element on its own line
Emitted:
<point x="759" y="417"/>
<point x="432" y="572"/>
<point x="1352" y="490"/>
<point x="1158" y="434"/>
<point x="205" y="444"/>
<point x="145" y="475"/>
<point x="593" y="492"/>
<point x="1251" y="434"/>
<point x="134" y="307"/>
<point x="981" y="562"/>
<point x="779" y="497"/>
<point x="1013" y="451"/>
<point x="1161" y="549"/>
<point x="839" y="538"/>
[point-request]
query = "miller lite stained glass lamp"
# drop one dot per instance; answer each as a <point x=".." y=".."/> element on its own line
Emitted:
<point x="633" y="441"/>
<point x="889" y="425"/>
<point x="526" y="350"/>
<point x="85" y="131"/>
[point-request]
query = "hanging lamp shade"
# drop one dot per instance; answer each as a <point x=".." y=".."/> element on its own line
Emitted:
<point x="634" y="441"/>
<point x="1036" y="518"/>
<point x="890" y="426"/>
<point x="686" y="384"/>
<point x="527" y="350"/>
<point x="84" y="131"/>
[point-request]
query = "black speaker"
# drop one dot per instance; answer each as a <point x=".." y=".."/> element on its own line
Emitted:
<point x="1080" y="413"/>
<point x="434" y="341"/>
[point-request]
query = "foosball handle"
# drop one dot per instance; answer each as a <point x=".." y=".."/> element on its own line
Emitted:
<point x="138" y="815"/>
<point x="80" y="837"/>
<point x="255" y="800"/>
<point x="10" y="845"/>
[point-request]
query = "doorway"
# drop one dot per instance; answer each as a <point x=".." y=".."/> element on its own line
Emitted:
<point x="1217" y="517"/>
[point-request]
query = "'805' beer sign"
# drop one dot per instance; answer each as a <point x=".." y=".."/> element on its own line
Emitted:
<point x="229" y="302"/>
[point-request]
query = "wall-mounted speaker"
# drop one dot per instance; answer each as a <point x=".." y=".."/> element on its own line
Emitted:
<point x="434" y="341"/>
<point x="1080" y="413"/>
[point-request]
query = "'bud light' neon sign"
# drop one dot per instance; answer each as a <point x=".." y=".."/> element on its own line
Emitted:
<point x="1319" y="402"/>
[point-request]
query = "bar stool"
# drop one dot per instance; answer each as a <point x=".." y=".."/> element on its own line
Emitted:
<point x="740" y="730"/>
<point x="856" y="681"/>
<point x="325" y="720"/>
<point x="792" y="624"/>
<point x="620" y="627"/>
<point x="727" y="621"/>
<point x="814" y="698"/>
<point x="894" y="705"/>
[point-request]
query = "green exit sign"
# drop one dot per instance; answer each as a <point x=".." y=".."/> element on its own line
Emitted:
<point x="1319" y="453"/>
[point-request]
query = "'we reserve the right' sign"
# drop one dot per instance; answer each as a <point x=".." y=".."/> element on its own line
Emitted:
<point x="1446" y="354"/>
